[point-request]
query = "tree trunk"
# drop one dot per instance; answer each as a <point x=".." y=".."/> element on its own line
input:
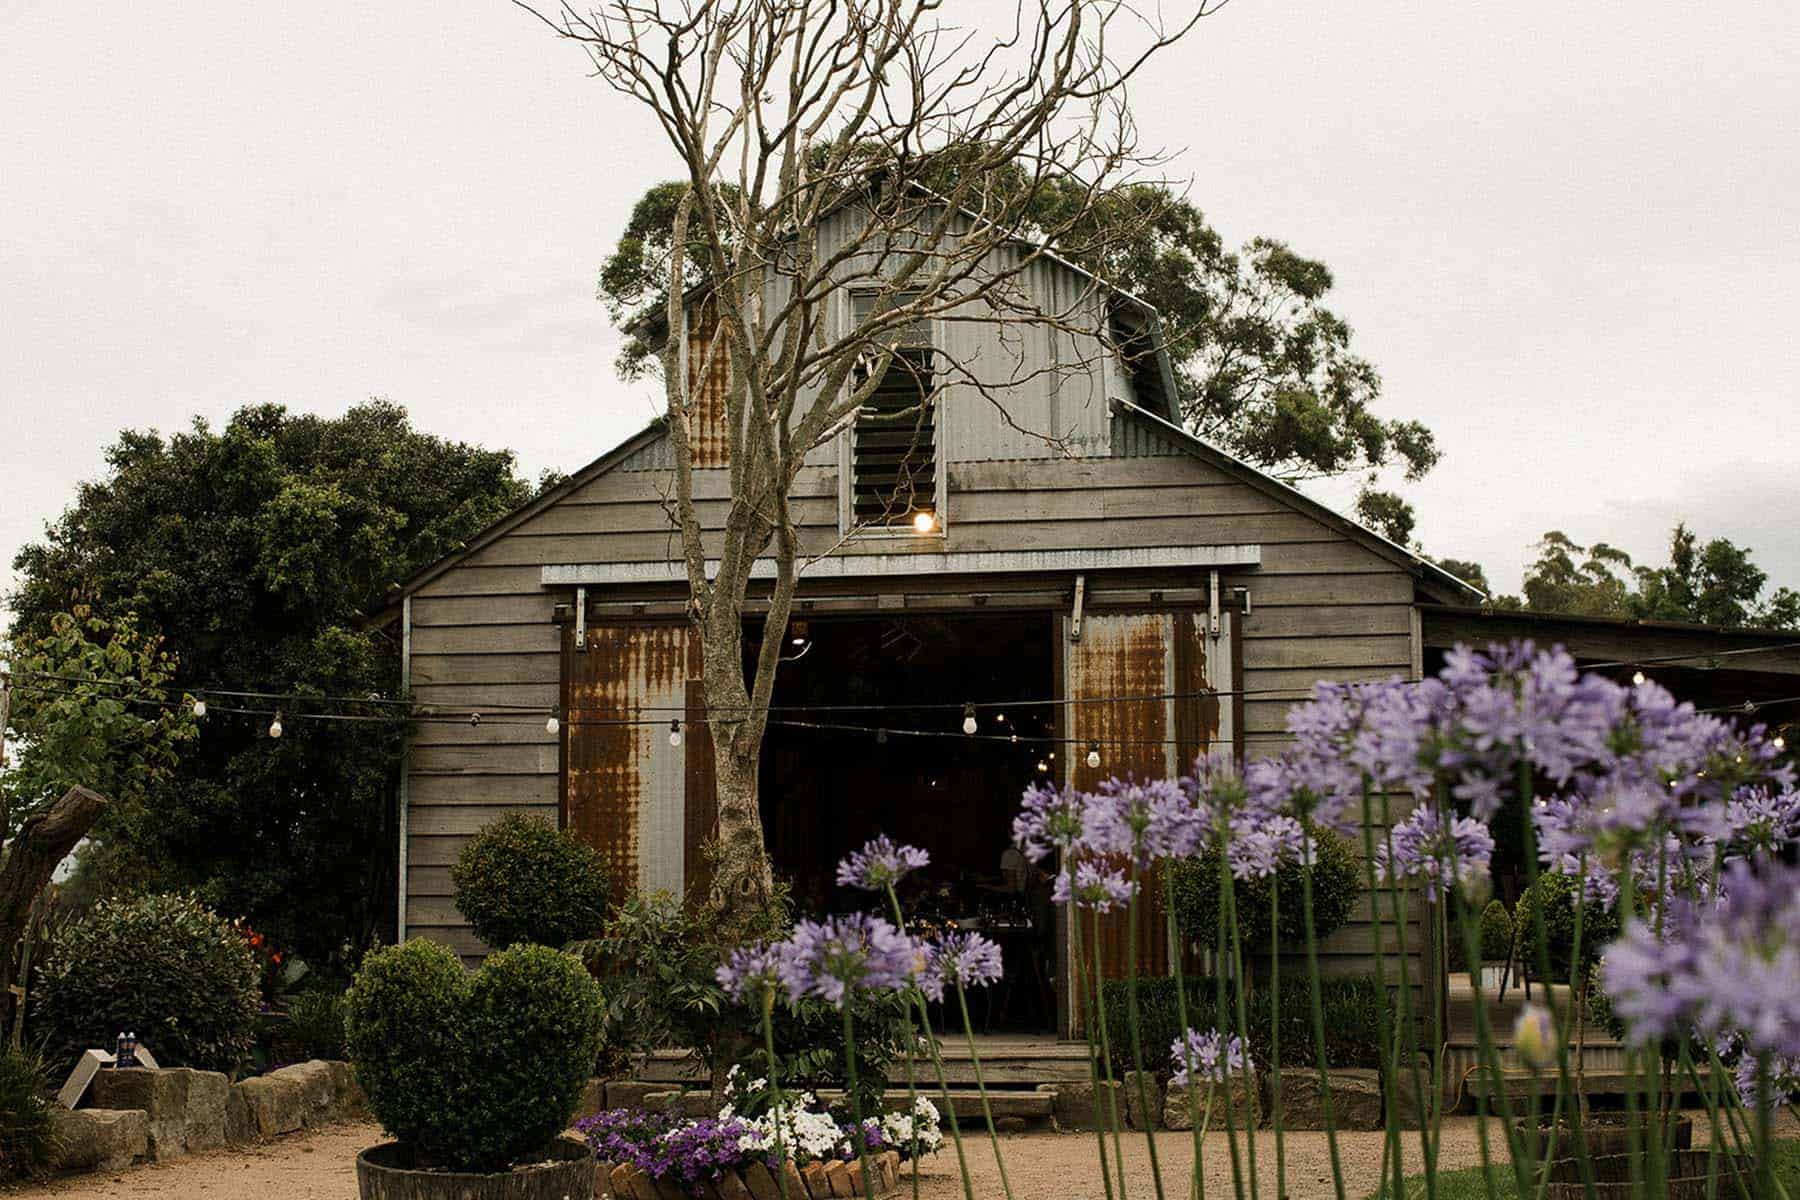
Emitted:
<point x="742" y="881"/>
<point x="44" y="840"/>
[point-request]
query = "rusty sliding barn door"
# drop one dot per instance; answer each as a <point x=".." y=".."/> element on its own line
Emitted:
<point x="624" y="786"/>
<point x="1139" y="683"/>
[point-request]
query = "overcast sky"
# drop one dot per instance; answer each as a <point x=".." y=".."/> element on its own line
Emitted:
<point x="1566" y="233"/>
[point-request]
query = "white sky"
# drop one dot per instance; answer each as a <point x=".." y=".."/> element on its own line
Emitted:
<point x="1565" y="232"/>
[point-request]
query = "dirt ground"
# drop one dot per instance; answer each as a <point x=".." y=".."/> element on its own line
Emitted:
<point x="321" y="1166"/>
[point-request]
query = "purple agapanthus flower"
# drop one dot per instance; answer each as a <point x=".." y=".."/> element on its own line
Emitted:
<point x="964" y="959"/>
<point x="1720" y="966"/>
<point x="1422" y="848"/>
<point x="750" y="972"/>
<point x="833" y="958"/>
<point x="1143" y="821"/>
<point x="880" y="864"/>
<point x="1049" y="822"/>
<point x="1208" y="1057"/>
<point x="1760" y="823"/>
<point x="1784" y="1080"/>
<point x="1093" y="886"/>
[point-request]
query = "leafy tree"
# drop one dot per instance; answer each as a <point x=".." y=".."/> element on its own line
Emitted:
<point x="1469" y="572"/>
<point x="255" y="550"/>
<point x="1263" y="368"/>
<point x="1714" y="583"/>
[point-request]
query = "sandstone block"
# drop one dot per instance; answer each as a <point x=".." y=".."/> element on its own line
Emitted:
<point x="98" y="1139"/>
<point x="631" y="1093"/>
<point x="1143" y="1099"/>
<point x="275" y="1102"/>
<point x="1356" y="1101"/>
<point x="1243" y="1095"/>
<point x="1073" y="1104"/>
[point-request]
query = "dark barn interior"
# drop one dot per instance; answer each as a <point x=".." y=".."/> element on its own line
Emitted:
<point x="833" y="776"/>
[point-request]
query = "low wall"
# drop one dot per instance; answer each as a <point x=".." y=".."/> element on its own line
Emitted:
<point x="140" y="1115"/>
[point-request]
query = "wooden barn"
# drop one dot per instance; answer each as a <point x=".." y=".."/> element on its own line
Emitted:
<point x="1114" y="587"/>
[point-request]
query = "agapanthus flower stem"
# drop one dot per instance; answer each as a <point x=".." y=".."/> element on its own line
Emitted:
<point x="1240" y="985"/>
<point x="1112" y="1101"/>
<point x="915" y="999"/>
<point x="1318" y="1020"/>
<point x="987" y="1113"/>
<point x="1222" y="952"/>
<point x="1197" y="1186"/>
<point x="862" y="1142"/>
<point x="1137" y="1045"/>
<point x="1081" y="988"/>
<point x="1275" y="1032"/>
<point x="768" y="1024"/>
<point x="1390" y="1037"/>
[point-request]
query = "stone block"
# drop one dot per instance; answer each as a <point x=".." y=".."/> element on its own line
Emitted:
<point x="1072" y="1104"/>
<point x="98" y="1139"/>
<point x="186" y="1108"/>
<point x="276" y="1104"/>
<point x="239" y="1126"/>
<point x="631" y="1093"/>
<point x="1356" y="1101"/>
<point x="318" y="1089"/>
<point x="837" y="1177"/>
<point x="593" y="1099"/>
<point x="1143" y="1100"/>
<point x="347" y="1092"/>
<point x="763" y="1185"/>
<point x="1243" y="1095"/>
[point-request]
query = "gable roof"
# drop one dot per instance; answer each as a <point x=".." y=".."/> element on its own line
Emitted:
<point x="1439" y="584"/>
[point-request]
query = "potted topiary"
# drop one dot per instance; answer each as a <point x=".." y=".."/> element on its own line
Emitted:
<point x="475" y="1074"/>
<point x="1496" y="943"/>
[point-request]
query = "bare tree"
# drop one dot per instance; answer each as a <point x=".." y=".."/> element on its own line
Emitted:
<point x="849" y="146"/>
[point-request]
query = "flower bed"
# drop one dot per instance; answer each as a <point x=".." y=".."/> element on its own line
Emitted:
<point x="734" y="1155"/>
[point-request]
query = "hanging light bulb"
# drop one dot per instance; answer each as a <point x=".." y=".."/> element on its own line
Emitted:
<point x="1043" y="767"/>
<point x="1780" y="743"/>
<point x="275" y="726"/>
<point x="554" y="724"/>
<point x="924" y="521"/>
<point x="1093" y="757"/>
<point x="1637" y="678"/>
<point x="675" y="732"/>
<point x="881" y="737"/>
<point x="199" y="707"/>
<point x="1000" y="717"/>
<point x="969" y="718"/>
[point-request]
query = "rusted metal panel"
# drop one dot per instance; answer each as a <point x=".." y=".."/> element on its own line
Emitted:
<point x="709" y="379"/>
<point x="1129" y="655"/>
<point x="625" y="783"/>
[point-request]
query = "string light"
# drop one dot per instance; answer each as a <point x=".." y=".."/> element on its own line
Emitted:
<point x="1780" y="743"/>
<point x="969" y="718"/>
<point x="1043" y="767"/>
<point x="881" y="737"/>
<point x="675" y="732"/>
<point x="554" y="724"/>
<point x="1093" y="755"/>
<point x="199" y="707"/>
<point x="1637" y="678"/>
<point x="275" y="726"/>
<point x="924" y="520"/>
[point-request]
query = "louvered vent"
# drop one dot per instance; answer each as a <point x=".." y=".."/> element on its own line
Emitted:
<point x="894" y="447"/>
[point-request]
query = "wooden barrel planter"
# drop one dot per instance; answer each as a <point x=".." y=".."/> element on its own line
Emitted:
<point x="815" y="1181"/>
<point x="1687" y="1170"/>
<point x="388" y="1172"/>
<point x="1611" y="1133"/>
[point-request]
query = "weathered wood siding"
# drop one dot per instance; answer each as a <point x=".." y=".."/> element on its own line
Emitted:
<point x="1324" y="607"/>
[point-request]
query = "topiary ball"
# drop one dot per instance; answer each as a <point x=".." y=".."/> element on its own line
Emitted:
<point x="473" y="1071"/>
<point x="166" y="968"/>
<point x="521" y="879"/>
<point x="1559" y="894"/>
<point x="1496" y="933"/>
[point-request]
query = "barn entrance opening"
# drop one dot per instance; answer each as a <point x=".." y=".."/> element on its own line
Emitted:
<point x="867" y="738"/>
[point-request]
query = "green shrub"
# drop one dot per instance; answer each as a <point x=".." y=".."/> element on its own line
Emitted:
<point x="164" y="967"/>
<point x="1352" y="1007"/>
<point x="1337" y="882"/>
<point x="521" y="879"/>
<point x="25" y="1124"/>
<point x="1599" y="925"/>
<point x="316" y="1024"/>
<point x="473" y="1071"/>
<point x="1496" y="933"/>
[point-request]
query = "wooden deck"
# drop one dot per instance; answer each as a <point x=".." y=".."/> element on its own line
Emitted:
<point x="1009" y="1062"/>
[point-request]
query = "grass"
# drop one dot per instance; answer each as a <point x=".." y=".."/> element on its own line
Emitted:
<point x="1467" y="1185"/>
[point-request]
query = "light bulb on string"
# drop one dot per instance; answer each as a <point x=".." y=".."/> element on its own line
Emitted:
<point x="675" y="732"/>
<point x="1043" y="767"/>
<point x="275" y="726"/>
<point x="881" y="737"/>
<point x="199" y="707"/>
<point x="969" y="719"/>
<point x="1637" y="678"/>
<point x="554" y="723"/>
<point x="1780" y="743"/>
<point x="1093" y="754"/>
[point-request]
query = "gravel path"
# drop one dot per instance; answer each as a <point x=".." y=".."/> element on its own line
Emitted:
<point x="320" y="1166"/>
